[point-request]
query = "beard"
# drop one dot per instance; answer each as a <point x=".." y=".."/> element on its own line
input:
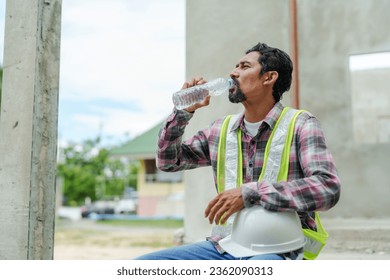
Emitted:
<point x="237" y="96"/>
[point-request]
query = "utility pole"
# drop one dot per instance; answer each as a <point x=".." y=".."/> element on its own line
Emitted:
<point x="28" y="128"/>
<point x="294" y="52"/>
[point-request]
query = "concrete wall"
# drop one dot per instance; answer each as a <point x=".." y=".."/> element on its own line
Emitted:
<point x="329" y="32"/>
<point x="219" y="32"/>
<point x="371" y="124"/>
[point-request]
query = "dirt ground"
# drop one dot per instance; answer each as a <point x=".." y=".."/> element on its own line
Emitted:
<point x="362" y="239"/>
<point x="86" y="240"/>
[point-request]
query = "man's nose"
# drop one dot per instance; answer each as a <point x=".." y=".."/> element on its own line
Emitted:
<point x="234" y="74"/>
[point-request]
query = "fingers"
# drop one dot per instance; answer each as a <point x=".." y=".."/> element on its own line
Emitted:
<point x="223" y="206"/>
<point x="204" y="102"/>
<point x="193" y="82"/>
<point x="221" y="216"/>
<point x="212" y="209"/>
<point x="201" y="104"/>
<point x="220" y="213"/>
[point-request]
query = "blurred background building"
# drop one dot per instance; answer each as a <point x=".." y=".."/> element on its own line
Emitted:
<point x="160" y="194"/>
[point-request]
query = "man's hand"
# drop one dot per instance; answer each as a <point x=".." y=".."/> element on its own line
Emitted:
<point x="194" y="82"/>
<point x="224" y="205"/>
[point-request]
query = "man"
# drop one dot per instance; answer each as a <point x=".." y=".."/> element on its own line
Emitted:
<point x="260" y="79"/>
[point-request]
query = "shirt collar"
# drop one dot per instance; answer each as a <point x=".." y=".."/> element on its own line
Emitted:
<point x="273" y="115"/>
<point x="271" y="118"/>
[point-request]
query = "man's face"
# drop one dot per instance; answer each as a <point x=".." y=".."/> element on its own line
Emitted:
<point x="246" y="78"/>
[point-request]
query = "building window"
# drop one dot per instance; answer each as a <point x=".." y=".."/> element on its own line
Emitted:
<point x="155" y="175"/>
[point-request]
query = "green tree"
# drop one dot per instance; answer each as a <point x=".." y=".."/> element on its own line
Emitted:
<point x="133" y="174"/>
<point x="88" y="171"/>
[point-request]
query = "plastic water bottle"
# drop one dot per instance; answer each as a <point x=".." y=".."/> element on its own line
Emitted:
<point x="187" y="97"/>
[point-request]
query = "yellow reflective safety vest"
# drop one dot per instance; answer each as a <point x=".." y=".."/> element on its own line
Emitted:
<point x="275" y="168"/>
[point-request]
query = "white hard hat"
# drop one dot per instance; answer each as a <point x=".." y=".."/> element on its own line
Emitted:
<point x="257" y="231"/>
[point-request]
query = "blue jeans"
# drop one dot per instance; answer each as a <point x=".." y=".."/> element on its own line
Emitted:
<point x="203" y="250"/>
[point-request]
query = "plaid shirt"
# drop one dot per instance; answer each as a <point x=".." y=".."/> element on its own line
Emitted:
<point x="312" y="184"/>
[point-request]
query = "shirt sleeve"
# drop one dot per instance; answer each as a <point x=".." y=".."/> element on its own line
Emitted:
<point x="173" y="153"/>
<point x="317" y="189"/>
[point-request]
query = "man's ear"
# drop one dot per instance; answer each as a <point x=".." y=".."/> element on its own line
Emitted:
<point x="271" y="77"/>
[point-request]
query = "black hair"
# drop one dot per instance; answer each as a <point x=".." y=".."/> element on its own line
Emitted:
<point x="273" y="59"/>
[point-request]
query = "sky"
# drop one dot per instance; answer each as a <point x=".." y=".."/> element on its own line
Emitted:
<point x="121" y="60"/>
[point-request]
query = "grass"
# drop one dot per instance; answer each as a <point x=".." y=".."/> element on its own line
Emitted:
<point x="163" y="223"/>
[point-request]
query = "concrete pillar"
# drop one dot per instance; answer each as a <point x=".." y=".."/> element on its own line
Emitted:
<point x="28" y="128"/>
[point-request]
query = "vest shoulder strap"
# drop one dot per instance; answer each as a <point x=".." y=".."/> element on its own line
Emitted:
<point x="228" y="169"/>
<point x="277" y="150"/>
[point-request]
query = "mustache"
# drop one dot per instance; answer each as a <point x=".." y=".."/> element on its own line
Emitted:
<point x="236" y="83"/>
<point x="238" y="96"/>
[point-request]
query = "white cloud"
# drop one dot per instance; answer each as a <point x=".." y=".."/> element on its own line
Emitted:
<point x="116" y="122"/>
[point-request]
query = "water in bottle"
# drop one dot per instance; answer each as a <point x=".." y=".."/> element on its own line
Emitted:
<point x="187" y="97"/>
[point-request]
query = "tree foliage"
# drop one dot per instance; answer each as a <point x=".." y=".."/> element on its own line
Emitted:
<point x="87" y="170"/>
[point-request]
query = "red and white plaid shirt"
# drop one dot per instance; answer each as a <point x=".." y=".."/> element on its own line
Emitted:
<point x="312" y="185"/>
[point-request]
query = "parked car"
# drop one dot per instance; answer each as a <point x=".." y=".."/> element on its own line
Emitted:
<point x="98" y="207"/>
<point x="126" y="206"/>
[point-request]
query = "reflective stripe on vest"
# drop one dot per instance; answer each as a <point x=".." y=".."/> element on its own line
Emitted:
<point x="275" y="168"/>
<point x="229" y="176"/>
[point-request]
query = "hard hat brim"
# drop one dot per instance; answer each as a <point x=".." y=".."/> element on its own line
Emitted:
<point x="238" y="251"/>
